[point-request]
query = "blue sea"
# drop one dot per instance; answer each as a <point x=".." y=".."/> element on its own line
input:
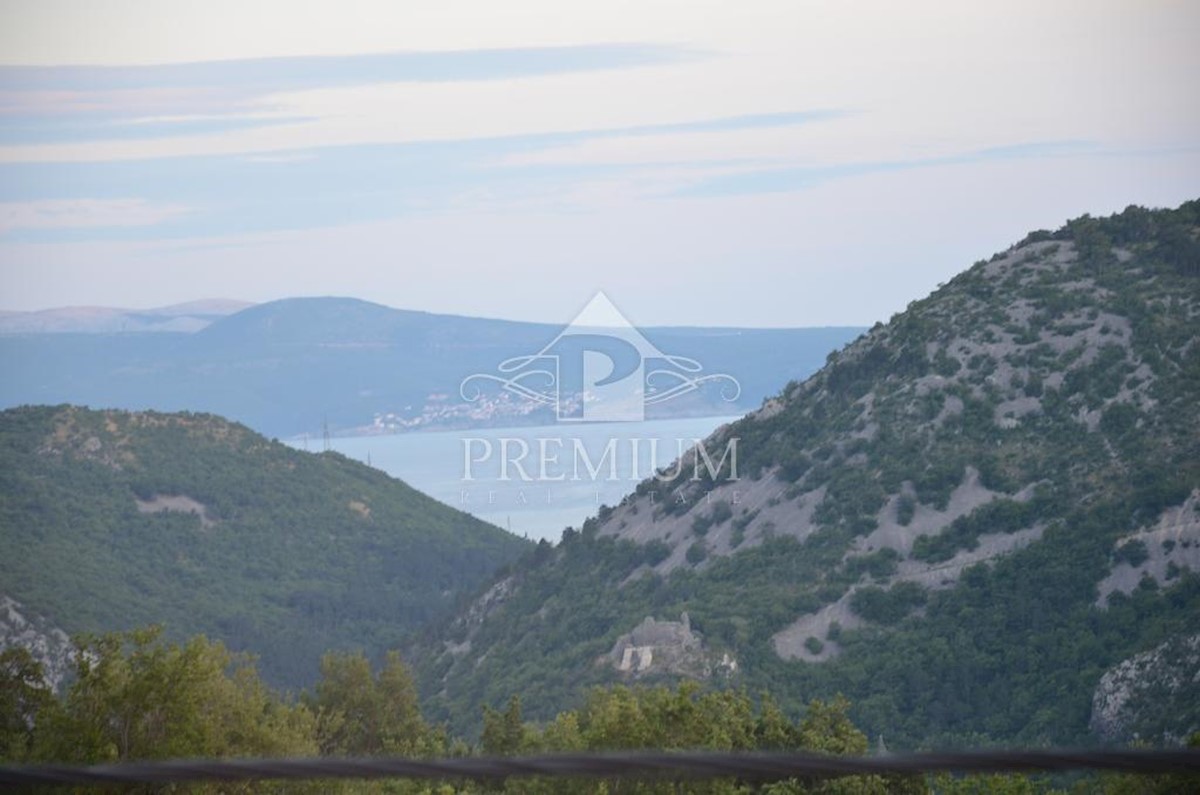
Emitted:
<point x="534" y="481"/>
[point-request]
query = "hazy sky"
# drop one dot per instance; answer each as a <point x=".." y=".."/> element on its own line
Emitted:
<point x="732" y="163"/>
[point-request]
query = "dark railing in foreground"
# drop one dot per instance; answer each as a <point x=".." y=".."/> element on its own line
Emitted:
<point x="759" y="767"/>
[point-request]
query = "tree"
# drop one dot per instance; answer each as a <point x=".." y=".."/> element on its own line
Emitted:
<point x="503" y="732"/>
<point x="363" y="715"/>
<point x="136" y="697"/>
<point x="686" y="718"/>
<point x="25" y="702"/>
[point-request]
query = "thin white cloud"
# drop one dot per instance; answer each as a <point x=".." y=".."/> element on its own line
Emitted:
<point x="83" y="214"/>
<point x="120" y="102"/>
<point x="926" y="75"/>
<point x="847" y="251"/>
<point x="283" y="157"/>
<point x="930" y="82"/>
<point x="121" y="32"/>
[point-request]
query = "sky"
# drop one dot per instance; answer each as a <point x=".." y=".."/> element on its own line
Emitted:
<point x="750" y="163"/>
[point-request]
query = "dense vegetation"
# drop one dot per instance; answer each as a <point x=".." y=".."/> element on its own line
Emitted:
<point x="135" y="697"/>
<point x="290" y="554"/>
<point x="1065" y="372"/>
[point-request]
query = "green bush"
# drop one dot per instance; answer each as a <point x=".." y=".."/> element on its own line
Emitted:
<point x="887" y="607"/>
<point x="1132" y="552"/>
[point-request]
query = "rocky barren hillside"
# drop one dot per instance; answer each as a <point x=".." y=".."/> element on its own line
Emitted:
<point x="962" y="521"/>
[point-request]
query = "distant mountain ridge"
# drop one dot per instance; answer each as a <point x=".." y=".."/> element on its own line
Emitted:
<point x="961" y="522"/>
<point x="292" y="366"/>
<point x="184" y="318"/>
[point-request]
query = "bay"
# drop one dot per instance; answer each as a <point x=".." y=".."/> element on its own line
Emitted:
<point x="535" y="480"/>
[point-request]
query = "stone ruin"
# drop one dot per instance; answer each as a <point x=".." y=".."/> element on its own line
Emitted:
<point x="666" y="647"/>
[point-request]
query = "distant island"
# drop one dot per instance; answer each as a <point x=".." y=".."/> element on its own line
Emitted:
<point x="306" y="365"/>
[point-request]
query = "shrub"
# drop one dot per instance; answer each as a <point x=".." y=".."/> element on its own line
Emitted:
<point x="721" y="512"/>
<point x="1132" y="552"/>
<point x="887" y="607"/>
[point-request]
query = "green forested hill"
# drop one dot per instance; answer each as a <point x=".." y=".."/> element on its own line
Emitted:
<point x="112" y="520"/>
<point x="962" y="522"/>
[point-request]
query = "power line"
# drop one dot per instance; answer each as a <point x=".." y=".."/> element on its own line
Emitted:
<point x="760" y="767"/>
